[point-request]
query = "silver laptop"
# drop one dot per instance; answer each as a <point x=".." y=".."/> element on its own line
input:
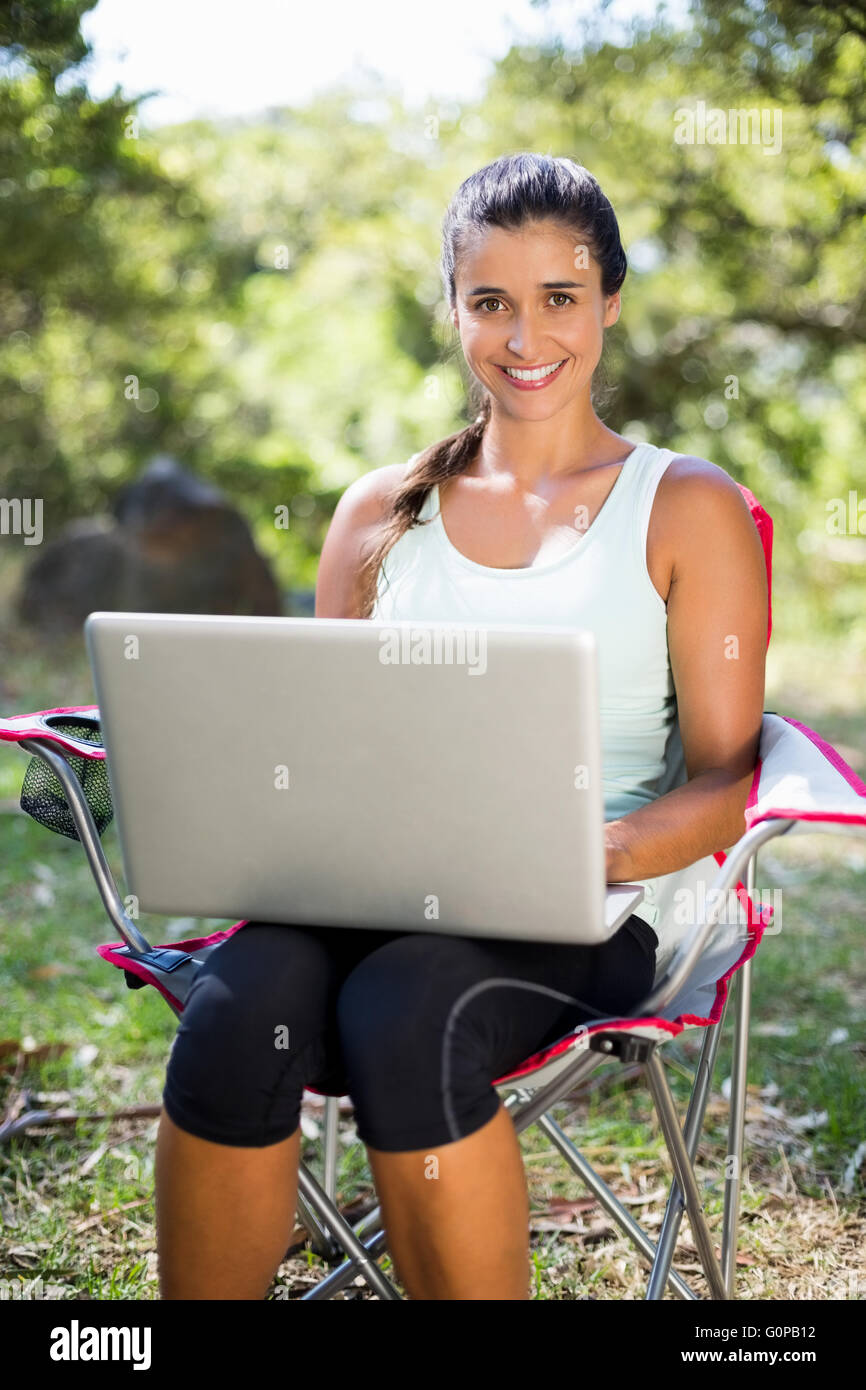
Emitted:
<point x="435" y="777"/>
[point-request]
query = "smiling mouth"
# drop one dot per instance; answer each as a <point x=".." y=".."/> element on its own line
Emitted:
<point x="532" y="376"/>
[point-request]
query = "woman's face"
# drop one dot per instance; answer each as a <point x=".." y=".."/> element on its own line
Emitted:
<point x="531" y="299"/>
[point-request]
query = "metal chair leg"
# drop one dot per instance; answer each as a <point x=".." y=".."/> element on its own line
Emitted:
<point x="371" y="1234"/>
<point x="320" y="1237"/>
<point x="691" y="1133"/>
<point x="737" y="1116"/>
<point x="347" y="1272"/>
<point x="669" y="1121"/>
<point x="318" y="1199"/>
<point x="329" y="1142"/>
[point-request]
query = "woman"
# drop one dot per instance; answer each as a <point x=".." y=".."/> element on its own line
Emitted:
<point x="537" y="512"/>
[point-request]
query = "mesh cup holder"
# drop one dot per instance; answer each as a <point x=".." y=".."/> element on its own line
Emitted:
<point x="42" y="796"/>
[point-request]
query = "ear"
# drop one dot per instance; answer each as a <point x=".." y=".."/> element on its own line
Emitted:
<point x="612" y="312"/>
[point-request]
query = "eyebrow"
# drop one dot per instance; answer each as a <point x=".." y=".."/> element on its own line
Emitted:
<point x="545" y="285"/>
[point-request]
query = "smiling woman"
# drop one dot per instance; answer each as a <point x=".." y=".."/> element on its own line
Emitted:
<point x="531" y="321"/>
<point x="664" y="565"/>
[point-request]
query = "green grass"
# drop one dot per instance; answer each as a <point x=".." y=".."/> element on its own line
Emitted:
<point x="76" y="1200"/>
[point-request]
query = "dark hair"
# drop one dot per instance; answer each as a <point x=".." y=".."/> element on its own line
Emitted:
<point x="513" y="190"/>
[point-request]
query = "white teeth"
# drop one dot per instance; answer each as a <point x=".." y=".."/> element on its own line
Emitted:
<point x="537" y="375"/>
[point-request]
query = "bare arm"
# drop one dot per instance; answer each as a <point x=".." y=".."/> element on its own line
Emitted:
<point x="717" y="638"/>
<point x="356" y="518"/>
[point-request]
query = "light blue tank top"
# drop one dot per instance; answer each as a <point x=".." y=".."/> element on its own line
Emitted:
<point x="600" y="583"/>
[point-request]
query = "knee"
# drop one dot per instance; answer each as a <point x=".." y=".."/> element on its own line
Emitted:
<point x="416" y="1061"/>
<point x="235" y="1073"/>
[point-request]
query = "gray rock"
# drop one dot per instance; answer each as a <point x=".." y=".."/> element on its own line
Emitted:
<point x="175" y="544"/>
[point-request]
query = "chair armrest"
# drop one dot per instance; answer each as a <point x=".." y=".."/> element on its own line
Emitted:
<point x="801" y="784"/>
<point x="42" y="724"/>
<point x="802" y="778"/>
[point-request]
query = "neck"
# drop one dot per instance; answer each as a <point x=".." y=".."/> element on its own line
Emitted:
<point x="532" y="450"/>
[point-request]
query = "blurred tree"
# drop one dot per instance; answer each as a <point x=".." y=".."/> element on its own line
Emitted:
<point x="45" y="33"/>
<point x="260" y="298"/>
<point x="71" y="168"/>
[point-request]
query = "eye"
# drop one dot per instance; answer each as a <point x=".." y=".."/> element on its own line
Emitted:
<point x="557" y="294"/>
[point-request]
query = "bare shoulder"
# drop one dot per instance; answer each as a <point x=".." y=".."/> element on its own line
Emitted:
<point x="693" y="493"/>
<point x="698" y="480"/>
<point x="365" y="500"/>
<point x="702" y="508"/>
<point x="357" y="516"/>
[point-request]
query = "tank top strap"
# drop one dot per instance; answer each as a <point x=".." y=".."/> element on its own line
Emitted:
<point x="430" y="505"/>
<point x="653" y="465"/>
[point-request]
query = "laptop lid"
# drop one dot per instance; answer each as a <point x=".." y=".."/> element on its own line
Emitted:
<point x="410" y="776"/>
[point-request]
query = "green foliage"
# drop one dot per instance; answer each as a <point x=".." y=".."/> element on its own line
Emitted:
<point x="261" y="299"/>
<point x="45" y="32"/>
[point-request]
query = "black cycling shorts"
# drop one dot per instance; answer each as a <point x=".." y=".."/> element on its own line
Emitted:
<point x="414" y="1026"/>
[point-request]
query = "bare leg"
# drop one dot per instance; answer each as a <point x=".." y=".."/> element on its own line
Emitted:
<point x="463" y="1234"/>
<point x="224" y="1215"/>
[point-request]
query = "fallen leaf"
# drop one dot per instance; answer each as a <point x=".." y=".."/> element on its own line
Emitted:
<point x="92" y="1160"/>
<point x="113" y="1211"/>
<point x="569" y="1207"/>
<point x="743" y="1259"/>
<point x="659" y="1195"/>
<point x="28" y="1256"/>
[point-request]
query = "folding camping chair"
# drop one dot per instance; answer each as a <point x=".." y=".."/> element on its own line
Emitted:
<point x="800" y="784"/>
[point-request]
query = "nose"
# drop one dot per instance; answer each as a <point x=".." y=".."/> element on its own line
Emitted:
<point x="524" y="339"/>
